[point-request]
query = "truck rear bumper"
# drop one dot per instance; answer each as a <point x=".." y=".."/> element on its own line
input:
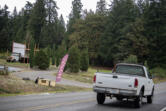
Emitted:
<point x="113" y="91"/>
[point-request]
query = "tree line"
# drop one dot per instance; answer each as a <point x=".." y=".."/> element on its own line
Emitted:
<point x="101" y="38"/>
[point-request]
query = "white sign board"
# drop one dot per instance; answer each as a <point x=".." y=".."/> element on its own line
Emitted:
<point x="19" y="48"/>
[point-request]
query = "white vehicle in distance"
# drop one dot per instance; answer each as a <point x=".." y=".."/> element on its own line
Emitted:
<point x="15" y="57"/>
<point x="127" y="81"/>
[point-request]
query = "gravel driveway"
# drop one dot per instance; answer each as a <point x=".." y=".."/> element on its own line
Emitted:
<point x="33" y="74"/>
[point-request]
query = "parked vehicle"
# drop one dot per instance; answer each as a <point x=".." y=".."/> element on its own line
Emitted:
<point x="15" y="57"/>
<point x="127" y="81"/>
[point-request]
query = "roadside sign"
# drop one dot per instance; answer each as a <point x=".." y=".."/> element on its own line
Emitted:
<point x="19" y="48"/>
<point x="61" y="68"/>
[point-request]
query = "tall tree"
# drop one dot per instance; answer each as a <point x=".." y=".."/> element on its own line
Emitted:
<point x="5" y="37"/>
<point x="114" y="46"/>
<point x="15" y="12"/>
<point x="50" y="30"/>
<point x="51" y="10"/>
<point x="101" y="7"/>
<point x="155" y="26"/>
<point x="60" y="30"/>
<point x="74" y="15"/>
<point x="88" y="34"/>
<point x="37" y="20"/>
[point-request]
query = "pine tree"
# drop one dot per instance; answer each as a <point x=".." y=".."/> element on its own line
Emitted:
<point x="61" y="51"/>
<point x="155" y="26"/>
<point x="50" y="29"/>
<point x="51" y="11"/>
<point x="37" y="20"/>
<point x="5" y="38"/>
<point x="42" y="60"/>
<point x="114" y="46"/>
<point x="15" y="12"/>
<point x="74" y="59"/>
<point x="84" y="60"/>
<point x="60" y="30"/>
<point x="74" y="15"/>
<point x="31" y="56"/>
<point x="101" y="7"/>
<point x="53" y="55"/>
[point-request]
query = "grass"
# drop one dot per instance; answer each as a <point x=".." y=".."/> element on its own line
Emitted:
<point x="4" y="55"/>
<point x="159" y="80"/>
<point x="159" y="73"/>
<point x="11" y="85"/>
<point x="86" y="77"/>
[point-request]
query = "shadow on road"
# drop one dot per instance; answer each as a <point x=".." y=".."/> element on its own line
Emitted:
<point x="122" y="104"/>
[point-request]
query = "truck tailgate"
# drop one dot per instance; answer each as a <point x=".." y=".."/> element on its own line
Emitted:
<point x="117" y="81"/>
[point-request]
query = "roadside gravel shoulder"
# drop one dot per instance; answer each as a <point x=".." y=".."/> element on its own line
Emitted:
<point x="33" y="74"/>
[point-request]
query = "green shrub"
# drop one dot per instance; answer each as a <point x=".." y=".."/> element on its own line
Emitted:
<point x="74" y="59"/>
<point x="131" y="59"/>
<point x="158" y="71"/>
<point x="84" y="60"/>
<point x="42" y="60"/>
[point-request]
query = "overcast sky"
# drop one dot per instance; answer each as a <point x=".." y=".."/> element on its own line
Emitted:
<point x="64" y="5"/>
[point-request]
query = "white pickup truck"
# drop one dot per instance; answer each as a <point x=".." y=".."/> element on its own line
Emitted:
<point x="127" y="81"/>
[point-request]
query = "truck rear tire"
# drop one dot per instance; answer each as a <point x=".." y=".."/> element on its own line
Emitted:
<point x="150" y="98"/>
<point x="138" y="100"/>
<point x="100" y="98"/>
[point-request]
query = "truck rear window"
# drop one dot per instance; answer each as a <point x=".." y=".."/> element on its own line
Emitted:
<point x="131" y="70"/>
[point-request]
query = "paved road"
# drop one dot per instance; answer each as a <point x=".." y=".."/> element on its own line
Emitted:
<point x="32" y="74"/>
<point x="81" y="101"/>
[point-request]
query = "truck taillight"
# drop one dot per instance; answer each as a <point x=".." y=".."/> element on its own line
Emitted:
<point x="136" y="82"/>
<point x="94" y="78"/>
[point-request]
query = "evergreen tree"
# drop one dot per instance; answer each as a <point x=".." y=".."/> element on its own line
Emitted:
<point x="138" y="40"/>
<point x="42" y="60"/>
<point x="114" y="46"/>
<point x="132" y="59"/>
<point x="60" y="30"/>
<point x="101" y="7"/>
<point x="74" y="59"/>
<point x="51" y="11"/>
<point x="53" y="55"/>
<point x="84" y="60"/>
<point x="5" y="33"/>
<point x="31" y="56"/>
<point x="61" y="51"/>
<point x="37" y="20"/>
<point x="15" y="12"/>
<point x="155" y="26"/>
<point x="50" y="29"/>
<point x="74" y="15"/>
